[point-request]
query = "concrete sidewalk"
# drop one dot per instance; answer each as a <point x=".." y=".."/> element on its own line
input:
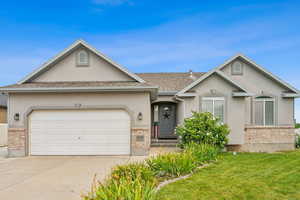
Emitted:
<point x="53" y="177"/>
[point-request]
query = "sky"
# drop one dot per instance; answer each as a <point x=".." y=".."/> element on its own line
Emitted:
<point x="153" y="35"/>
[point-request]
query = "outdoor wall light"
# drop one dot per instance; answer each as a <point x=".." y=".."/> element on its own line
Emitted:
<point x="140" y="116"/>
<point x="17" y="117"/>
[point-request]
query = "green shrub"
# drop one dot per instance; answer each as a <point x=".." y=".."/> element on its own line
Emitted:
<point x="138" y="181"/>
<point x="203" y="128"/>
<point x="133" y="171"/>
<point x="202" y="153"/>
<point x="172" y="164"/>
<point x="297" y="125"/>
<point x="123" y="189"/>
<point x="298" y="141"/>
<point x="127" y="182"/>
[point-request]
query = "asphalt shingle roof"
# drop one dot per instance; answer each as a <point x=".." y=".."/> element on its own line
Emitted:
<point x="167" y="82"/>
<point x="170" y="81"/>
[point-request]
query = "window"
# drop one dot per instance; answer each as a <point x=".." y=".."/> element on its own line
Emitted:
<point x="237" y="68"/>
<point x="82" y="58"/>
<point x="264" y="111"/>
<point x="214" y="105"/>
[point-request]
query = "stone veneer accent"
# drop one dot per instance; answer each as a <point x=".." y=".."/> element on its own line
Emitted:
<point x="266" y="139"/>
<point x="16" y="141"/>
<point x="140" y="141"/>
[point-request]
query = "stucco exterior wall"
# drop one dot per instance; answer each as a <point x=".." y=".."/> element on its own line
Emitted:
<point x="133" y="102"/>
<point x="67" y="70"/>
<point x="257" y="83"/>
<point x="234" y="107"/>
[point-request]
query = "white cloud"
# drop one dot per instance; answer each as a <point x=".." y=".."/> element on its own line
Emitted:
<point x="112" y="2"/>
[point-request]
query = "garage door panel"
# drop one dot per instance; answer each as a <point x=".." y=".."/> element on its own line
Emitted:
<point x="99" y="132"/>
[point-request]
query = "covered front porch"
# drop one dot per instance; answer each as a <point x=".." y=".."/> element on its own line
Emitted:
<point x="164" y="121"/>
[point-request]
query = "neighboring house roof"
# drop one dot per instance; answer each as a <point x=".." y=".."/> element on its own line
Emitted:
<point x="3" y="100"/>
<point x="76" y="44"/>
<point x="170" y="82"/>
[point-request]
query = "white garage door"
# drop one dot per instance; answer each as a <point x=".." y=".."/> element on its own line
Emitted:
<point x="79" y="132"/>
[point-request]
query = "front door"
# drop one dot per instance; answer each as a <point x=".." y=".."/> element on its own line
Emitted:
<point x="167" y="120"/>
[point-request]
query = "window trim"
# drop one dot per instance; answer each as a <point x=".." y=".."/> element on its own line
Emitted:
<point x="78" y="59"/>
<point x="213" y="99"/>
<point x="264" y="100"/>
<point x="237" y="73"/>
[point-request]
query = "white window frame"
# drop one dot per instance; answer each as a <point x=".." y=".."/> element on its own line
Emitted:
<point x="78" y="58"/>
<point x="213" y="99"/>
<point x="264" y="100"/>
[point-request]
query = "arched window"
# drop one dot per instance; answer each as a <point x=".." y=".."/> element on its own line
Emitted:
<point x="264" y="111"/>
<point x="82" y="58"/>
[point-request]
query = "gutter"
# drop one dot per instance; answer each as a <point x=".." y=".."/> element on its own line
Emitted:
<point x="151" y="89"/>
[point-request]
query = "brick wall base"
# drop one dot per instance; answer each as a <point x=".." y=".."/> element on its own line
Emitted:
<point x="16" y="142"/>
<point x="266" y="139"/>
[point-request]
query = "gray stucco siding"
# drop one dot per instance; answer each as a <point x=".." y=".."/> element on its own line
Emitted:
<point x="234" y="106"/>
<point x="257" y="83"/>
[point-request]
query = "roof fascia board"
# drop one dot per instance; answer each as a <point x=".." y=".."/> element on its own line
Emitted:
<point x="88" y="89"/>
<point x="187" y="95"/>
<point x="75" y="44"/>
<point x="290" y="95"/>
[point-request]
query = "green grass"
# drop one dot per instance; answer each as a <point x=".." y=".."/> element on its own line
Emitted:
<point x="244" y="176"/>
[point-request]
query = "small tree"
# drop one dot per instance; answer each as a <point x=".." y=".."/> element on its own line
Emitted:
<point x="203" y="128"/>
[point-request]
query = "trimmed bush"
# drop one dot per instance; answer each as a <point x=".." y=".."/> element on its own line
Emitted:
<point x="203" y="128"/>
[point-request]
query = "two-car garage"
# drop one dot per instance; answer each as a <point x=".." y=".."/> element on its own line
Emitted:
<point x="79" y="132"/>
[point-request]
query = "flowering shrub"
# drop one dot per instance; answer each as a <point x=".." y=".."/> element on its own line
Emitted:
<point x="203" y="128"/>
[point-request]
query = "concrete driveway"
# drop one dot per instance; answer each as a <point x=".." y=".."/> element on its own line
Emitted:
<point x="59" y="178"/>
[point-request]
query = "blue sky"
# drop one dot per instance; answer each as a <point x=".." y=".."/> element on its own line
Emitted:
<point x="149" y="35"/>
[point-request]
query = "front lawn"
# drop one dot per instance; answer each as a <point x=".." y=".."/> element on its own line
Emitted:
<point x="244" y="176"/>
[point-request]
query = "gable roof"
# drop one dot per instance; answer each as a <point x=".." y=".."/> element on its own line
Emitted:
<point x="69" y="49"/>
<point x="259" y="68"/>
<point x="170" y="82"/>
<point x="208" y="74"/>
<point x="223" y="75"/>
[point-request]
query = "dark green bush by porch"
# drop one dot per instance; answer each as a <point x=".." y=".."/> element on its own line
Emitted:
<point x="203" y="128"/>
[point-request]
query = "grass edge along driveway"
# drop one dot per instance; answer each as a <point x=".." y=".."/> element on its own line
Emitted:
<point x="249" y="176"/>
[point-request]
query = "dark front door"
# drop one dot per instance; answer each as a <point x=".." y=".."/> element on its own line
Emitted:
<point x="167" y="120"/>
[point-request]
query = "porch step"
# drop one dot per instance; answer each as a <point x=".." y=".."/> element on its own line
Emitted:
<point x="164" y="143"/>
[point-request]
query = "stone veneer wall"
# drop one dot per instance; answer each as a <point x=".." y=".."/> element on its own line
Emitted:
<point x="140" y="141"/>
<point x="16" y="142"/>
<point x="267" y="139"/>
